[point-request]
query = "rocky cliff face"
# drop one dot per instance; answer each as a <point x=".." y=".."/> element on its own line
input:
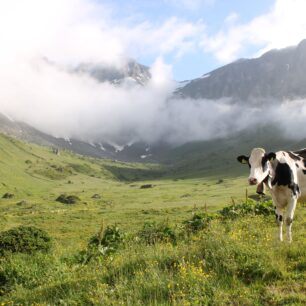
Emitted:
<point x="276" y="75"/>
<point x="131" y="72"/>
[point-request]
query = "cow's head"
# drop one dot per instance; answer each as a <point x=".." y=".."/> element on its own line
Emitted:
<point x="258" y="163"/>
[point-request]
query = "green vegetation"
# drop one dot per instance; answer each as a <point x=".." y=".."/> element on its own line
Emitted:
<point x="190" y="240"/>
<point x="152" y="233"/>
<point x="24" y="239"/>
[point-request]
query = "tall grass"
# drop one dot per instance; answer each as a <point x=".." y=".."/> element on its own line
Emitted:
<point x="232" y="262"/>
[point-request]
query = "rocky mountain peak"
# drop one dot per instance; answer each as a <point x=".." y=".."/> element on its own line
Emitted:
<point x="131" y="71"/>
<point x="276" y="75"/>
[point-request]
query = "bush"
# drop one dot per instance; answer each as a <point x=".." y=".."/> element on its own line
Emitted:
<point x="8" y="195"/>
<point x="70" y="199"/>
<point x="152" y="233"/>
<point x="107" y="241"/>
<point x="104" y="243"/>
<point x="24" y="239"/>
<point x="265" y="208"/>
<point x="146" y="186"/>
<point x="5" y="283"/>
<point x="233" y="211"/>
<point x="198" y="222"/>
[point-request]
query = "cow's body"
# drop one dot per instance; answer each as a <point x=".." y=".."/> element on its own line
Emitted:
<point x="284" y="173"/>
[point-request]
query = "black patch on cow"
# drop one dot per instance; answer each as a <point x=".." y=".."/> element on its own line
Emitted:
<point x="284" y="177"/>
<point x="293" y="156"/>
<point x="301" y="153"/>
<point x="260" y="188"/>
<point x="264" y="163"/>
<point x="266" y="181"/>
<point x="244" y="160"/>
<point x="271" y="156"/>
<point x="304" y="171"/>
<point x="289" y="221"/>
<point x="295" y="189"/>
<point x="297" y="165"/>
<point x="280" y="218"/>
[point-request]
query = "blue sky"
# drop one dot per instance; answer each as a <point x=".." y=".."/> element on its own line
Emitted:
<point x="193" y="37"/>
<point x="211" y="13"/>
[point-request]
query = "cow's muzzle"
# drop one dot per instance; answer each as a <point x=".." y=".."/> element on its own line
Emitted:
<point x="252" y="181"/>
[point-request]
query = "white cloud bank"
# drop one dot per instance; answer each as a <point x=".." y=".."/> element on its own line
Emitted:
<point x="68" y="32"/>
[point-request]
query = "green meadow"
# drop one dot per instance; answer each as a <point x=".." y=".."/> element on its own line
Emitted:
<point x="168" y="243"/>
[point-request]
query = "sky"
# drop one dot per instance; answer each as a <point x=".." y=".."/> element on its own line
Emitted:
<point x="206" y="20"/>
<point x="197" y="36"/>
<point x="193" y="36"/>
<point x="42" y="41"/>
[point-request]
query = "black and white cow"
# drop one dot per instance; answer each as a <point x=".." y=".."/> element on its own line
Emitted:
<point x="284" y="173"/>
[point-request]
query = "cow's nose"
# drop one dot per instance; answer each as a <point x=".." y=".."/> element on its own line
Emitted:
<point x="252" y="181"/>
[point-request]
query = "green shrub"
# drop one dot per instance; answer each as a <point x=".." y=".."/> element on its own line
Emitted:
<point x="152" y="233"/>
<point x="265" y="208"/>
<point x="233" y="211"/>
<point x="198" y="222"/>
<point x="24" y="239"/>
<point x="104" y="243"/>
<point x="107" y="241"/>
<point x="5" y="283"/>
<point x="8" y="195"/>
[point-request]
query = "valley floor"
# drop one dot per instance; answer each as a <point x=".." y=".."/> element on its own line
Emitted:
<point x="228" y="262"/>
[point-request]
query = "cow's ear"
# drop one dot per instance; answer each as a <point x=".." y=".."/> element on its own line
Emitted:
<point x="271" y="156"/>
<point x="243" y="159"/>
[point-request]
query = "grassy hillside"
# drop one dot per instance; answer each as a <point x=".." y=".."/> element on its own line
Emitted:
<point x="36" y="177"/>
<point x="158" y="261"/>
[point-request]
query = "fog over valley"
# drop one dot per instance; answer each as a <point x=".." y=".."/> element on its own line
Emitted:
<point x="43" y="85"/>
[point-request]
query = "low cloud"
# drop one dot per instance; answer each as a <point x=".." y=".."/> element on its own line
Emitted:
<point x="71" y="105"/>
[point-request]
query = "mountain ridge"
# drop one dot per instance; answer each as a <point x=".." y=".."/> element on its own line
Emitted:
<point x="277" y="75"/>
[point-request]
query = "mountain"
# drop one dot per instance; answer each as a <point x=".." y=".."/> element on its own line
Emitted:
<point x="277" y="75"/>
<point x="135" y="152"/>
<point x="131" y="71"/>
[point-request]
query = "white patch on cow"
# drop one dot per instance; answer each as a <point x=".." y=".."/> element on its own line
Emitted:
<point x="255" y="161"/>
